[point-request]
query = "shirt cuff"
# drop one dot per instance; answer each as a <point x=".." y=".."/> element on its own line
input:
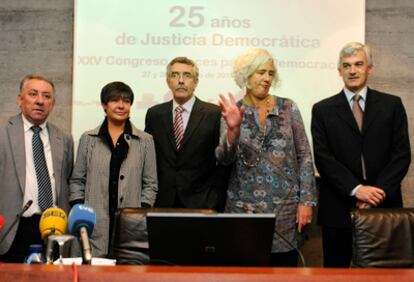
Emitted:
<point x="353" y="192"/>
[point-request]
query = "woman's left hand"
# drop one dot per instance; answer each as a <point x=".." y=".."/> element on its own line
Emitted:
<point x="303" y="216"/>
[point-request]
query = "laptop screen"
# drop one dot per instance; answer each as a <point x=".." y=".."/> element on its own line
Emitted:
<point x="210" y="239"/>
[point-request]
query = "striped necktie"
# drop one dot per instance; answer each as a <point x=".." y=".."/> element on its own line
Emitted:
<point x="178" y="126"/>
<point x="45" y="196"/>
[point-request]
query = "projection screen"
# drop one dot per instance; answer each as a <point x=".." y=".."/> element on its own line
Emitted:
<point x="133" y="41"/>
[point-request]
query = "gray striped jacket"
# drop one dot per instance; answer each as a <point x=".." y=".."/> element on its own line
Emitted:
<point x="90" y="177"/>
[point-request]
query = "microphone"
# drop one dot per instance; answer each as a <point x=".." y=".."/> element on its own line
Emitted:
<point x="1" y="222"/>
<point x="82" y="219"/>
<point x="25" y="208"/>
<point x="52" y="222"/>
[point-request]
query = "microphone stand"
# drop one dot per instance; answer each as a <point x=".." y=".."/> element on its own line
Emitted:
<point x="25" y="208"/>
<point x="49" y="247"/>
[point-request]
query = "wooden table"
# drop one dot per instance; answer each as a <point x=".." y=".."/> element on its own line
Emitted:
<point x="33" y="273"/>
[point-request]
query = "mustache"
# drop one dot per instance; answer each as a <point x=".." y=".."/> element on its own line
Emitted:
<point x="181" y="87"/>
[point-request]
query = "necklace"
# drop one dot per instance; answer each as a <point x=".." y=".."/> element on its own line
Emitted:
<point x="264" y="107"/>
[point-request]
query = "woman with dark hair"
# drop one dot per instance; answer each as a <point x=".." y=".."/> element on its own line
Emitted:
<point x="115" y="166"/>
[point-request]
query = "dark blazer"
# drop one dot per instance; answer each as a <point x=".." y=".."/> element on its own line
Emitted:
<point x="13" y="171"/>
<point x="190" y="173"/>
<point x="338" y="145"/>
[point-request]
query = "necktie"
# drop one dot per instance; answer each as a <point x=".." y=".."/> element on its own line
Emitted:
<point x="178" y="126"/>
<point x="357" y="110"/>
<point x="359" y="115"/>
<point x="45" y="196"/>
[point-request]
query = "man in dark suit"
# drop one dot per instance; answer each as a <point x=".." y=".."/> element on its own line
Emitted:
<point x="19" y="170"/>
<point x="362" y="152"/>
<point x="186" y="132"/>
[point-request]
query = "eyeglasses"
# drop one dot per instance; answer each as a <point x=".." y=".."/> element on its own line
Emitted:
<point x="185" y="75"/>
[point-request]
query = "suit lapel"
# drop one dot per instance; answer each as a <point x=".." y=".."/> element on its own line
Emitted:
<point x="371" y="110"/>
<point x="196" y="116"/>
<point x="15" y="133"/>
<point x="56" y="146"/>
<point x="167" y="119"/>
<point x="344" y="111"/>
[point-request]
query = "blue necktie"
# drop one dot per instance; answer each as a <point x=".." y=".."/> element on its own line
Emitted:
<point x="45" y="196"/>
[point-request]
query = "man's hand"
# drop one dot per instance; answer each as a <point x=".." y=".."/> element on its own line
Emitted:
<point x="370" y="195"/>
<point x="363" y="205"/>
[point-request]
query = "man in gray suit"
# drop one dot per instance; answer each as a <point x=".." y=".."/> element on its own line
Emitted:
<point x="19" y="173"/>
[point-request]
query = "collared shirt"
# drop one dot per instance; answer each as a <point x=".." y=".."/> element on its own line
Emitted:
<point x="350" y="95"/>
<point x="188" y="107"/>
<point x="119" y="152"/>
<point x="31" y="189"/>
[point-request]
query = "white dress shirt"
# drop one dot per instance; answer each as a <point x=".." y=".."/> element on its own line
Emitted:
<point x="349" y="96"/>
<point x="31" y="189"/>
<point x="188" y="107"/>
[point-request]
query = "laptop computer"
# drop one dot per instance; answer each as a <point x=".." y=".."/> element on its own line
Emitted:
<point x="210" y="239"/>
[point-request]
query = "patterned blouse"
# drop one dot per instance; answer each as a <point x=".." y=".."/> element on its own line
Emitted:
<point x="273" y="168"/>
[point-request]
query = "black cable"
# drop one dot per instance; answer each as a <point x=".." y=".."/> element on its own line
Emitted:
<point x="302" y="258"/>
<point x="162" y="262"/>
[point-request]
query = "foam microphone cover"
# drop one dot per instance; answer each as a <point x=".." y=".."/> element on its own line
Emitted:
<point x="1" y="222"/>
<point x="53" y="221"/>
<point x="81" y="215"/>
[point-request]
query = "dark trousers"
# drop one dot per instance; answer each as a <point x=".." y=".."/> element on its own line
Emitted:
<point x="27" y="233"/>
<point x="288" y="259"/>
<point x="337" y="246"/>
<point x="178" y="203"/>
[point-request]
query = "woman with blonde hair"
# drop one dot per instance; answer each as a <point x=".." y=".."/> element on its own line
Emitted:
<point x="264" y="137"/>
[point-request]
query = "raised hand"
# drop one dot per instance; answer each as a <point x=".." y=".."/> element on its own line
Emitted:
<point x="232" y="115"/>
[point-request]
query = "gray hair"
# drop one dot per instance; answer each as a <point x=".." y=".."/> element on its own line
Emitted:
<point x="247" y="63"/>
<point x="353" y="47"/>
<point x="37" y="77"/>
<point x="185" y="61"/>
